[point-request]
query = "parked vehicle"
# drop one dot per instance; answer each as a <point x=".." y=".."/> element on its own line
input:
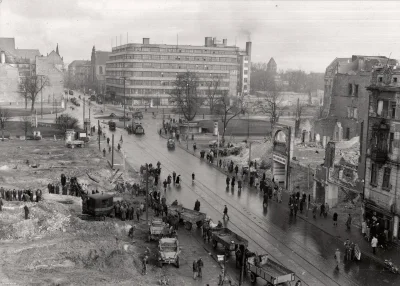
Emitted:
<point x="228" y="239"/>
<point x="265" y="268"/>
<point x="214" y="144"/>
<point x="168" y="251"/>
<point x="98" y="205"/>
<point x="112" y="125"/>
<point x="124" y="118"/>
<point x="112" y="115"/>
<point x="137" y="115"/>
<point x="188" y="216"/>
<point x="71" y="92"/>
<point x="157" y="229"/>
<point x="93" y="97"/>
<point x="137" y="128"/>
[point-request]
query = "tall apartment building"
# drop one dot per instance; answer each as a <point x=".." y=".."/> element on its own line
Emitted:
<point x="382" y="178"/>
<point x="151" y="69"/>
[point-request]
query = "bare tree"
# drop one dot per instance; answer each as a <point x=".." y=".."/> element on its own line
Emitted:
<point x="228" y="108"/>
<point x="213" y="92"/>
<point x="27" y="122"/>
<point x="5" y="116"/>
<point x="271" y="104"/>
<point x="31" y="86"/>
<point x="185" y="95"/>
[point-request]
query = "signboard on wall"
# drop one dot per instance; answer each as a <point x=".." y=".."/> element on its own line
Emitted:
<point x="279" y="159"/>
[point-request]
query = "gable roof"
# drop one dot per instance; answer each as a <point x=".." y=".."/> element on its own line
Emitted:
<point x="77" y="63"/>
<point x="27" y="53"/>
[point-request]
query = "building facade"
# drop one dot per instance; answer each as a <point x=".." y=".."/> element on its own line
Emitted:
<point x="79" y="72"/>
<point x="382" y="177"/>
<point x="346" y="98"/>
<point x="14" y="65"/>
<point x="151" y="69"/>
<point x="98" y="70"/>
<point x="52" y="67"/>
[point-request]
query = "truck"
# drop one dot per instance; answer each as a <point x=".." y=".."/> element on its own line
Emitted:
<point x="228" y="239"/>
<point x="112" y="125"/>
<point x="137" y="115"/>
<point x="137" y="128"/>
<point x="270" y="271"/>
<point x="168" y="251"/>
<point x="188" y="216"/>
<point x="157" y="229"/>
<point x="71" y="139"/>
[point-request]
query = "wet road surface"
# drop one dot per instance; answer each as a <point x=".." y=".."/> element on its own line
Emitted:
<point x="298" y="245"/>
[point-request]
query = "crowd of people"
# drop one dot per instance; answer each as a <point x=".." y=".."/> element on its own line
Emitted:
<point x="20" y="195"/>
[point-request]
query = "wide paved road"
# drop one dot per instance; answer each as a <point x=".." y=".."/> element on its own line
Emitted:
<point x="296" y="244"/>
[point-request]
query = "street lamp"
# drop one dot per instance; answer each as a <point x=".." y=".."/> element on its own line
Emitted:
<point x="124" y="78"/>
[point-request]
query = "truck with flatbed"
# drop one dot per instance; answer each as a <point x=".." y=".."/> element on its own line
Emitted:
<point x="188" y="216"/>
<point x="228" y="239"/>
<point x="270" y="271"/>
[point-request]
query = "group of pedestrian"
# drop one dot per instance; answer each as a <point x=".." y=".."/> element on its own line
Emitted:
<point x="21" y="195"/>
<point x="352" y="251"/>
<point x="298" y="202"/>
<point x="371" y="228"/>
<point x="126" y="211"/>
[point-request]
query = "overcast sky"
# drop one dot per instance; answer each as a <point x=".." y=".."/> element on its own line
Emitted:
<point x="298" y="34"/>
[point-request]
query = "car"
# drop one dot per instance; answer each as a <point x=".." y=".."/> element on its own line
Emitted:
<point x="113" y="115"/>
<point x="138" y="115"/>
<point x="124" y="118"/>
<point x="168" y="251"/>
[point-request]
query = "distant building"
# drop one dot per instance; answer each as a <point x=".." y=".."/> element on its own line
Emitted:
<point x="272" y="67"/>
<point x="382" y="176"/>
<point x="14" y="64"/>
<point x="347" y="99"/>
<point x="151" y="69"/>
<point x="98" y="70"/>
<point x="79" y="72"/>
<point x="52" y="67"/>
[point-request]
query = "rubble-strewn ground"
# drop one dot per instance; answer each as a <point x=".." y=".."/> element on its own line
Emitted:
<point x="55" y="246"/>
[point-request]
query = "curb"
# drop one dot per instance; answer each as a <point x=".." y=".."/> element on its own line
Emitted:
<point x="368" y="254"/>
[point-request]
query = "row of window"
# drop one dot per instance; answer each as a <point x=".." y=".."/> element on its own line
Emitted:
<point x="394" y="79"/>
<point x="174" y="58"/>
<point x="385" y="179"/>
<point x="176" y="50"/>
<point x="162" y="74"/>
<point x="172" y="66"/>
<point x="352" y="112"/>
<point x="158" y="82"/>
<point x="147" y="91"/>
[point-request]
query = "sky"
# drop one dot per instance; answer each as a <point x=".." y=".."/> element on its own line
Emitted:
<point x="305" y="35"/>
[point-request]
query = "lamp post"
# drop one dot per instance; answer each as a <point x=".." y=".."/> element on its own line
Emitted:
<point x="187" y="130"/>
<point x="124" y="78"/>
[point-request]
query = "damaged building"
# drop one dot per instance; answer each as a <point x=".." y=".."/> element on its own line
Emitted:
<point x="346" y="101"/>
<point x="382" y="178"/>
<point x="337" y="179"/>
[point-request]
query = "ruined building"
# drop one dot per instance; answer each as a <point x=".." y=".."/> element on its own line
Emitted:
<point x="382" y="176"/>
<point x="346" y="100"/>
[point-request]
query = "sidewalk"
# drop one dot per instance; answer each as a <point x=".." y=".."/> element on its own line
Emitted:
<point x="340" y="231"/>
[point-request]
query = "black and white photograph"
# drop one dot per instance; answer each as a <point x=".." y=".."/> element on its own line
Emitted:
<point x="199" y="142"/>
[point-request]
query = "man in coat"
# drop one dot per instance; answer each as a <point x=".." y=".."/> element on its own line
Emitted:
<point x="197" y="205"/>
<point x="26" y="209"/>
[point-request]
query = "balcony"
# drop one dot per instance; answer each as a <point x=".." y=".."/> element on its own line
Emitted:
<point x="379" y="156"/>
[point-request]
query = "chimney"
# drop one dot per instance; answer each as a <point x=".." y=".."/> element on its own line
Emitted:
<point x="225" y="42"/>
<point x="146" y="41"/>
<point x="214" y="41"/>
<point x="248" y="48"/>
<point x="3" y="57"/>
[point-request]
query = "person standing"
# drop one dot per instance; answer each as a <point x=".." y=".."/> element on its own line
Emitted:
<point x="374" y="244"/>
<point x="337" y="258"/>
<point x="144" y="265"/>
<point x="225" y="213"/>
<point x="1" y="204"/>
<point x="363" y="228"/>
<point x="295" y="208"/>
<point x="195" y="271"/>
<point x="174" y="176"/>
<point x="138" y="213"/>
<point x="239" y="185"/>
<point x="335" y="217"/>
<point x="26" y="209"/>
<point x="348" y="222"/>
<point x="326" y="210"/>
<point x="197" y="205"/>
<point x="200" y="265"/>
<point x="279" y="196"/>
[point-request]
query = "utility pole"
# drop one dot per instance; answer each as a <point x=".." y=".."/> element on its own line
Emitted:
<point x="84" y="113"/>
<point x="41" y="96"/>
<point x="124" y="78"/>
<point x="112" y="152"/>
<point x="98" y="131"/>
<point x="147" y="194"/>
<point x="248" y="126"/>
<point x="242" y="267"/>
<point x="90" y="124"/>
